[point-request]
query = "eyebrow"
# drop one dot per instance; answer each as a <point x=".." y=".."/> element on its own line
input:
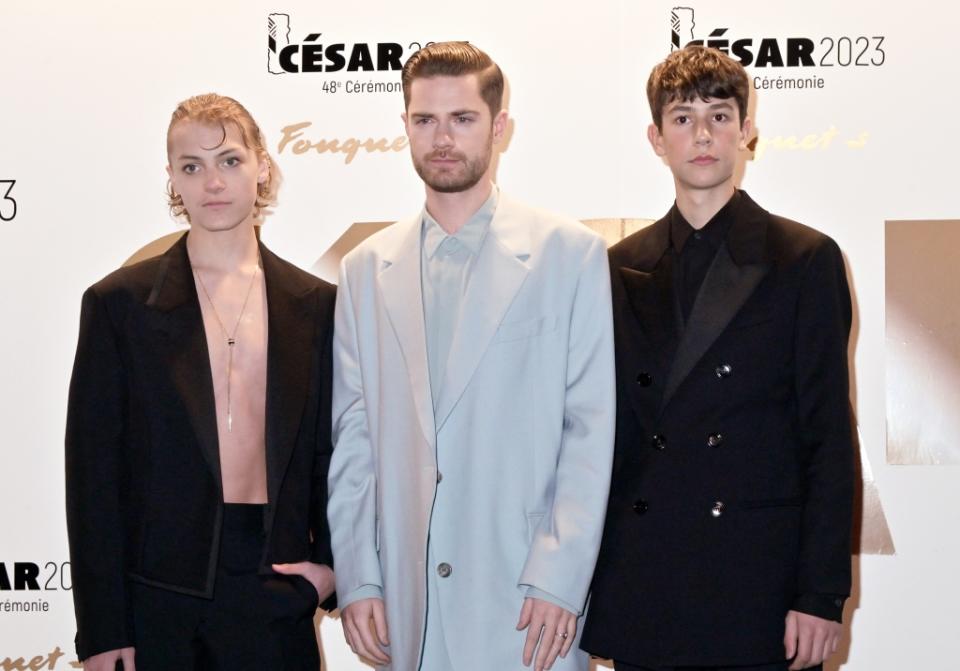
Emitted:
<point x="688" y="108"/>
<point x="191" y="157"/>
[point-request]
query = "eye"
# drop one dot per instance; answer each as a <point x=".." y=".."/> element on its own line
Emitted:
<point x="190" y="168"/>
<point x="423" y="121"/>
<point x="720" y="116"/>
<point x="681" y="120"/>
<point x="231" y="161"/>
<point x="464" y="119"/>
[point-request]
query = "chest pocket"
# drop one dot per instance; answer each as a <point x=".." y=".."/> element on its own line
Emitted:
<point x="526" y="328"/>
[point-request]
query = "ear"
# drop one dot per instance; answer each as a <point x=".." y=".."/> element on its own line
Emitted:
<point x="656" y="139"/>
<point x="746" y="131"/>
<point x="406" y="128"/>
<point x="500" y="125"/>
<point x="263" y="170"/>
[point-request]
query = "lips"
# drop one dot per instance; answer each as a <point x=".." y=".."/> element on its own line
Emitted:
<point x="704" y="159"/>
<point x="216" y="204"/>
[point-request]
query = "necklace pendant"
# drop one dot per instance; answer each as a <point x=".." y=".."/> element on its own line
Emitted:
<point x="229" y="422"/>
<point x="231" y="341"/>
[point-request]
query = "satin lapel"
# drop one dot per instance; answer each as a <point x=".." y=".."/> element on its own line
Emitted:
<point x="496" y="277"/>
<point x="178" y="323"/>
<point x="725" y="289"/>
<point x="291" y="324"/>
<point x="399" y="285"/>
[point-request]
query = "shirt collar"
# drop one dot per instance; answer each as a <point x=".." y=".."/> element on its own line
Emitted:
<point x="470" y="235"/>
<point x="712" y="233"/>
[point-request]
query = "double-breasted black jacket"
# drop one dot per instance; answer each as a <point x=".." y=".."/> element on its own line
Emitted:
<point x="733" y="475"/>
<point x="144" y="495"/>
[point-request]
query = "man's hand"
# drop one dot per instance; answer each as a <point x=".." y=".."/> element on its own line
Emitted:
<point x="360" y="620"/>
<point x="554" y="627"/>
<point x="318" y="575"/>
<point x="809" y="640"/>
<point x="107" y="661"/>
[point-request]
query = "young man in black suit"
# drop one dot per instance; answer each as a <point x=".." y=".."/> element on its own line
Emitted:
<point x="727" y="540"/>
<point x="198" y="430"/>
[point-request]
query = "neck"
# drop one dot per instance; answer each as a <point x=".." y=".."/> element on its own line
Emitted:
<point x="452" y="210"/>
<point x="230" y="251"/>
<point x="698" y="206"/>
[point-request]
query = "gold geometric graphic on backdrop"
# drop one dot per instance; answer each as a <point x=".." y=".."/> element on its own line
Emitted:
<point x="871" y="531"/>
<point x="922" y="342"/>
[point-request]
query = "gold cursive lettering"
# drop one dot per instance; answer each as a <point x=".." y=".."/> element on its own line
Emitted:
<point x="349" y="147"/>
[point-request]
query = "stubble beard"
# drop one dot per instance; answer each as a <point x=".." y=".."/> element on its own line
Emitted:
<point x="453" y="181"/>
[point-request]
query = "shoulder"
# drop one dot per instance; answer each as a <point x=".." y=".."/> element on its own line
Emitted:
<point x="129" y="282"/>
<point x="789" y="241"/>
<point x="644" y="247"/>
<point x="544" y="227"/>
<point x="382" y="244"/>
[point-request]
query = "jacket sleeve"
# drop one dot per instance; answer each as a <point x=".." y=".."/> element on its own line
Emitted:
<point x="564" y="551"/>
<point x="95" y="439"/>
<point x="824" y="424"/>
<point x="351" y="508"/>
<point x="321" y="552"/>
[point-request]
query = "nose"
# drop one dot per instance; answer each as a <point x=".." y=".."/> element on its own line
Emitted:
<point x="442" y="139"/>
<point x="214" y="183"/>
<point x="702" y="134"/>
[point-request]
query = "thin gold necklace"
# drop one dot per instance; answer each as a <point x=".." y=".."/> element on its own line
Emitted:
<point x="230" y="337"/>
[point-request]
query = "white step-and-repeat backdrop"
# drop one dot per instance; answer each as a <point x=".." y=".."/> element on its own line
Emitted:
<point x="856" y="109"/>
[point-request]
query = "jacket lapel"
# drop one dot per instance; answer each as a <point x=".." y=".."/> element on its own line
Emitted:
<point x="291" y="325"/>
<point x="648" y="284"/>
<point x="178" y="324"/>
<point x="496" y="277"/>
<point x="399" y="282"/>
<point x="737" y="269"/>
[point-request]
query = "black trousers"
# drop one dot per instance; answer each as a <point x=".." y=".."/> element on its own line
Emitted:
<point x="777" y="666"/>
<point x="253" y="623"/>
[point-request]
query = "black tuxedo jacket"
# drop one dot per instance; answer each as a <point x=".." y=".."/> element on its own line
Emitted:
<point x="733" y="477"/>
<point x="144" y="495"/>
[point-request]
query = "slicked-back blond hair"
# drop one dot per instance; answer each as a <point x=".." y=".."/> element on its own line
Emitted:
<point x="213" y="109"/>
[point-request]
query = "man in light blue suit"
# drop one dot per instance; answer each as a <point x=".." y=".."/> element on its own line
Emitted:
<point x="473" y="405"/>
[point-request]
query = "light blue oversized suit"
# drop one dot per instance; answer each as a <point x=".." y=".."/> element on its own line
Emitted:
<point x="525" y="415"/>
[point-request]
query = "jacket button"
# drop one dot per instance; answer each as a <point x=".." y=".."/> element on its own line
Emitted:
<point x="644" y="379"/>
<point x="439" y="476"/>
<point x="715" y="439"/>
<point x="723" y="370"/>
<point x="717" y="509"/>
<point x="658" y="442"/>
<point x="444" y="570"/>
<point x="640" y="506"/>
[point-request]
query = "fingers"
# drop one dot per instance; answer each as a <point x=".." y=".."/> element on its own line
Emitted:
<point x="127" y="657"/>
<point x="571" y="629"/>
<point x="525" y="612"/>
<point x="380" y="622"/>
<point x="805" y="641"/>
<point x="828" y="647"/>
<point x="358" y="629"/>
<point x="550" y="643"/>
<point x="533" y="636"/>
<point x="550" y="632"/>
<point x="790" y="636"/>
<point x="291" y="569"/>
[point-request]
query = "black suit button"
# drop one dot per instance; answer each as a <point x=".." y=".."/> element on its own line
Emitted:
<point x="715" y="439"/>
<point x="658" y="442"/>
<point x="717" y="509"/>
<point x="723" y="370"/>
<point x="640" y="506"/>
<point x="644" y="379"/>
